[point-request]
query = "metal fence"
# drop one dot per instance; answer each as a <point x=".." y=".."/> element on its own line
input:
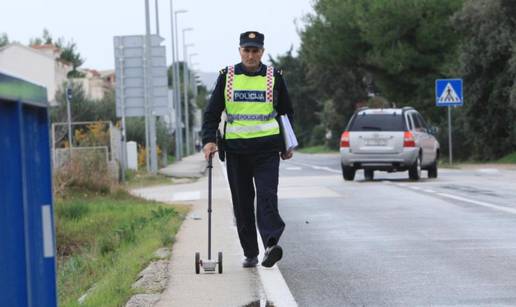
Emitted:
<point x="110" y="152"/>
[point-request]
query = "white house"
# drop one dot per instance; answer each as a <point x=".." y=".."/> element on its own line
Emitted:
<point x="96" y="83"/>
<point x="38" y="64"/>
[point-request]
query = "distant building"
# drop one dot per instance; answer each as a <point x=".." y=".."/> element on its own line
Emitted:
<point x="96" y="83"/>
<point x="37" y="64"/>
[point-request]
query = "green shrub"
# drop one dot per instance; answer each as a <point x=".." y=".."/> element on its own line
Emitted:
<point x="106" y="245"/>
<point x="166" y="238"/>
<point x="74" y="211"/>
<point x="88" y="171"/>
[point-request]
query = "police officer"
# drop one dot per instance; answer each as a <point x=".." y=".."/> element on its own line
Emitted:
<point x="253" y="95"/>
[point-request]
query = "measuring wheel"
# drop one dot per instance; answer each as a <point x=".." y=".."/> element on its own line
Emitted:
<point x="220" y="262"/>
<point x="197" y="263"/>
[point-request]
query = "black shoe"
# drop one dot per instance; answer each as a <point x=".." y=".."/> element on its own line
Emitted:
<point x="250" y="262"/>
<point x="273" y="254"/>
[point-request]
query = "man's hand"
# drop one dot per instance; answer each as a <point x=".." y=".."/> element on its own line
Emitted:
<point x="287" y="155"/>
<point x="209" y="149"/>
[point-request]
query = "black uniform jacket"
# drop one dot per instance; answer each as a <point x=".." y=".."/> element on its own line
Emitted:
<point x="216" y="105"/>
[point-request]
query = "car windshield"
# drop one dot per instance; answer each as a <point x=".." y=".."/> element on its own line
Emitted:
<point x="378" y="122"/>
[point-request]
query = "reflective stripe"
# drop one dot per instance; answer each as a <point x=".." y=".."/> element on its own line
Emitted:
<point x="255" y="128"/>
<point x="229" y="82"/>
<point x="262" y="117"/>
<point x="270" y="84"/>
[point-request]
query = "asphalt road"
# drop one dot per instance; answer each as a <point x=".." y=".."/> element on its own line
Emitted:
<point x="395" y="242"/>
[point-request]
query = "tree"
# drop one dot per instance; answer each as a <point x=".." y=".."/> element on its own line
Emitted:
<point x="192" y="105"/>
<point x="487" y="62"/>
<point x="70" y="54"/>
<point x="68" y="51"/>
<point x="303" y="101"/>
<point x="4" y="39"/>
<point x="45" y="39"/>
<point x="202" y="97"/>
<point x="392" y="48"/>
<point x="408" y="44"/>
<point x="330" y="49"/>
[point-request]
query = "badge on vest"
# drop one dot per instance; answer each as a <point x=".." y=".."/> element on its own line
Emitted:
<point x="249" y="96"/>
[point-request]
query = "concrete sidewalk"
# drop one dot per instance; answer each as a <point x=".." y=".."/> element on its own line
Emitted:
<point x="193" y="166"/>
<point x="236" y="286"/>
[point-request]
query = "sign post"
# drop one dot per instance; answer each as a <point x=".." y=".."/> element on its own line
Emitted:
<point x="69" y="115"/>
<point x="448" y="93"/>
<point x="142" y="85"/>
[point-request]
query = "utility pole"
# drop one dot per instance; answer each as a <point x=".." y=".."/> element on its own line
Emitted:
<point x="450" y="144"/>
<point x="148" y="93"/>
<point x="193" y="85"/>
<point x="164" y="151"/>
<point x="177" y="86"/>
<point x="174" y="87"/>
<point x="123" y="128"/>
<point x="157" y="17"/>
<point x="185" y="84"/>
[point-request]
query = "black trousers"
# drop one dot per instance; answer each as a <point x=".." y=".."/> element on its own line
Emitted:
<point x="264" y="169"/>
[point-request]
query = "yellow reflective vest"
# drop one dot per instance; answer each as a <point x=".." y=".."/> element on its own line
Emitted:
<point x="249" y="105"/>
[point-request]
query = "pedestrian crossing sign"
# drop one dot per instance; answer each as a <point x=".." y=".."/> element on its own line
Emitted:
<point x="448" y="92"/>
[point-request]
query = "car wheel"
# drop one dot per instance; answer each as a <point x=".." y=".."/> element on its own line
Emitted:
<point x="432" y="170"/>
<point x="415" y="169"/>
<point x="348" y="173"/>
<point x="369" y="174"/>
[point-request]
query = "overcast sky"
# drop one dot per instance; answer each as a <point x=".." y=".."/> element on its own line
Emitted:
<point x="217" y="25"/>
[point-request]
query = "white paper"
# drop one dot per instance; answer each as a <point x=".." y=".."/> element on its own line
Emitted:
<point x="288" y="134"/>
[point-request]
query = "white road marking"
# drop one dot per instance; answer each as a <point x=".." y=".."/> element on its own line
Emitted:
<point x="274" y="285"/>
<point x="467" y="200"/>
<point x="479" y="203"/>
<point x="488" y="171"/>
<point x="295" y="168"/>
<point x="182" y="196"/>
<point x="308" y="192"/>
<point x="322" y="168"/>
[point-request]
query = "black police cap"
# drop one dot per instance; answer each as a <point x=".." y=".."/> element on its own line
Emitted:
<point x="251" y="39"/>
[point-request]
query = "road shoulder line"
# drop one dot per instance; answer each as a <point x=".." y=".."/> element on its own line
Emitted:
<point x="459" y="198"/>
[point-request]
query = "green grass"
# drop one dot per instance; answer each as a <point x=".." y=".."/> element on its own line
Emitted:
<point x="144" y="179"/>
<point x="317" y="149"/>
<point x="445" y="163"/>
<point x="510" y="158"/>
<point x="105" y="241"/>
<point x="171" y="159"/>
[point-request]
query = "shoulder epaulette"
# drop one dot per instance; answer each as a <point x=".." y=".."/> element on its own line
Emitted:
<point x="223" y="71"/>
<point x="278" y="71"/>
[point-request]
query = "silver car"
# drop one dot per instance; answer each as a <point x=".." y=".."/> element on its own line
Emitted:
<point x="391" y="140"/>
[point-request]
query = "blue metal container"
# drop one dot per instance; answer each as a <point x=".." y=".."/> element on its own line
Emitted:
<point x="27" y="236"/>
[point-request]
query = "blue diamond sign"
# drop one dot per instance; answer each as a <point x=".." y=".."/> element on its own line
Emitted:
<point x="448" y="92"/>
